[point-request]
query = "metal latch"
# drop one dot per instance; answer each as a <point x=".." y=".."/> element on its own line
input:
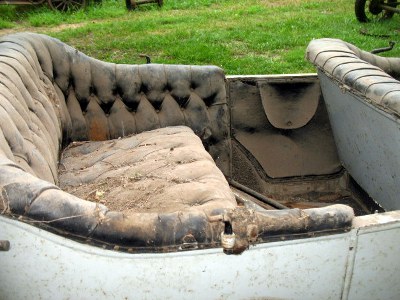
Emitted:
<point x="4" y="245"/>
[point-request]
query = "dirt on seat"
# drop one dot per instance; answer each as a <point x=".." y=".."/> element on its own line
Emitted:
<point x="163" y="170"/>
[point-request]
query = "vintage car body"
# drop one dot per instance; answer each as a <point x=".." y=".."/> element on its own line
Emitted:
<point x="272" y="137"/>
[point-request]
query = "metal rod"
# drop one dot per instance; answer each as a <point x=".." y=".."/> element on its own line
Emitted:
<point x="257" y="195"/>
<point x="384" y="49"/>
<point x="390" y="8"/>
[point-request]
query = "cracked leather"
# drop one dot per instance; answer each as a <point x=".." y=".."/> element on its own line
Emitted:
<point x="52" y="95"/>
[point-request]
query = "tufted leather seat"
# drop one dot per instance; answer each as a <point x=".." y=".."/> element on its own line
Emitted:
<point x="52" y="95"/>
<point x="71" y="121"/>
<point x="163" y="170"/>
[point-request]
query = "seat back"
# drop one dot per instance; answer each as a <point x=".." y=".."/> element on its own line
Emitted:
<point x="72" y="97"/>
<point x="30" y="127"/>
<point x="52" y="94"/>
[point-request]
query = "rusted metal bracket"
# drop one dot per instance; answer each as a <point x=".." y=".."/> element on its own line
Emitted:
<point x="4" y="245"/>
<point x="148" y="59"/>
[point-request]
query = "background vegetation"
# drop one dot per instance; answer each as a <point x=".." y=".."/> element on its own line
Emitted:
<point x="241" y="36"/>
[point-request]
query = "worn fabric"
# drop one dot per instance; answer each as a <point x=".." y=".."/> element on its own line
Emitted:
<point x="59" y="95"/>
<point x="52" y="95"/>
<point x="164" y="170"/>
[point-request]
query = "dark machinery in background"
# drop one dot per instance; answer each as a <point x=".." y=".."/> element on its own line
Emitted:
<point x="61" y="5"/>
<point x="368" y="10"/>
<point x="132" y="4"/>
<point x="72" y="5"/>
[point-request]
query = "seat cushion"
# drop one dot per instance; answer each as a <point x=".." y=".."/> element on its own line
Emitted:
<point x="162" y="171"/>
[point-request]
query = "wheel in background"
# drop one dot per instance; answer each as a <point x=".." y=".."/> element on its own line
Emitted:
<point x="67" y="5"/>
<point x="368" y="10"/>
<point x="130" y="4"/>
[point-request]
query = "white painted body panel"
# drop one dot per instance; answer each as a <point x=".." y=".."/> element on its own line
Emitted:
<point x="357" y="264"/>
<point x="367" y="140"/>
<point x="376" y="264"/>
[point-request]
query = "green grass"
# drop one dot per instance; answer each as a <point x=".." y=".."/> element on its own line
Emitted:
<point x="241" y="36"/>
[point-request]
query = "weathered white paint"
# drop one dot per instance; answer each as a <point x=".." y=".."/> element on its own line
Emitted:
<point x="367" y="140"/>
<point x="376" y="273"/>
<point x="42" y="265"/>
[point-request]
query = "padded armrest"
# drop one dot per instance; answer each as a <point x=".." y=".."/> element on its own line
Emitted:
<point x="366" y="74"/>
<point x="43" y="204"/>
<point x="277" y="225"/>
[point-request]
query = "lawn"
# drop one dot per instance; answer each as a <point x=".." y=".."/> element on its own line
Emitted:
<point x="241" y="36"/>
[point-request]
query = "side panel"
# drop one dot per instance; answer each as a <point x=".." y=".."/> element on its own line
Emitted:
<point x="376" y="273"/>
<point x="282" y="143"/>
<point x="283" y="123"/>
<point x="377" y="266"/>
<point x="41" y="265"/>
<point x="368" y="142"/>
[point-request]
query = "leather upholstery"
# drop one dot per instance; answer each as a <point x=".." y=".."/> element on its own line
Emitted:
<point x="162" y="170"/>
<point x="94" y="100"/>
<point x="52" y="95"/>
<point x="372" y="77"/>
<point x="362" y="93"/>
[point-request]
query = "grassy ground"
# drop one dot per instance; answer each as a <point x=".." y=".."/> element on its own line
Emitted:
<point x="241" y="36"/>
